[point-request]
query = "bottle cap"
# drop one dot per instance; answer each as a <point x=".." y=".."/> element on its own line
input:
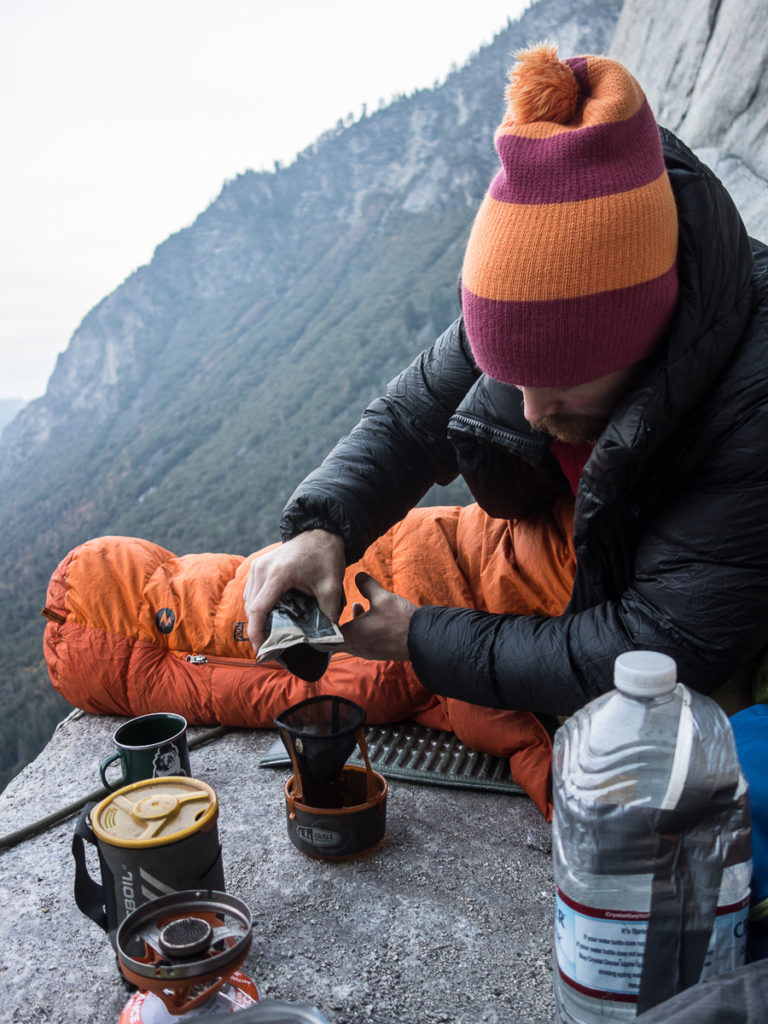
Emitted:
<point x="644" y="673"/>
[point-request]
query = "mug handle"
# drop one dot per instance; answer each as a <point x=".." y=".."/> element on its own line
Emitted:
<point x="89" y="895"/>
<point x="103" y="772"/>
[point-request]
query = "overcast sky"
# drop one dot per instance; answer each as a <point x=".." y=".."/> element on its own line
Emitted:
<point x="122" y="120"/>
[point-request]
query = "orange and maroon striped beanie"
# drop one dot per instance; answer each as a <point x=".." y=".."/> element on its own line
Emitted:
<point x="570" y="269"/>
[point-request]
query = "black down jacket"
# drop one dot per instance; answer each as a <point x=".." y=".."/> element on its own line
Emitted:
<point x="671" y="515"/>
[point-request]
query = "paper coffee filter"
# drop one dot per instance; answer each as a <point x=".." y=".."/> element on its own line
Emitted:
<point x="154" y="812"/>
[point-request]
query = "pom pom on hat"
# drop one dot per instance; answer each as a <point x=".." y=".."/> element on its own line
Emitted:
<point x="570" y="269"/>
<point x="541" y="87"/>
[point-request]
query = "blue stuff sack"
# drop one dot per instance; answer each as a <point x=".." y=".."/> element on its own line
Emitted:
<point x="750" y="729"/>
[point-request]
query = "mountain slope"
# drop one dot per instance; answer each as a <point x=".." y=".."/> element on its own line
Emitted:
<point x="192" y="399"/>
<point x="9" y="407"/>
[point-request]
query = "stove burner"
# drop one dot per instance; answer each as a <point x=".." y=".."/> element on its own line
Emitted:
<point x="185" y="937"/>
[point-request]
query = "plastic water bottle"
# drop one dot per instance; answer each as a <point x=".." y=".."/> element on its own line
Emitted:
<point x="651" y="845"/>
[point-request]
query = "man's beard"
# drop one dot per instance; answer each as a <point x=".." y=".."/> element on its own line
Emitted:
<point x="572" y="429"/>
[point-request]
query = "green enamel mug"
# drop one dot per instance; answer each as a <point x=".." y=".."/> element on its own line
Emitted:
<point x="148" y="747"/>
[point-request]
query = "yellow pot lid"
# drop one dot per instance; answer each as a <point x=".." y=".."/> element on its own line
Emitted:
<point x="154" y="812"/>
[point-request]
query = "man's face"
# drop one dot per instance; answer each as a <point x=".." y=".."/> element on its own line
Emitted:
<point x="578" y="414"/>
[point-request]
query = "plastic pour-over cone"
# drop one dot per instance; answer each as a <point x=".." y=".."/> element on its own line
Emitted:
<point x="319" y="735"/>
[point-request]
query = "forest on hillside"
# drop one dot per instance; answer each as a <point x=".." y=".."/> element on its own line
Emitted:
<point x="192" y="400"/>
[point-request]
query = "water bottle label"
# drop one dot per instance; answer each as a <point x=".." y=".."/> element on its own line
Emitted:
<point x="727" y="948"/>
<point x="600" y="952"/>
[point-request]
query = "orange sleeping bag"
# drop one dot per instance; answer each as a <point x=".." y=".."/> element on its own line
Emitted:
<point x="123" y="614"/>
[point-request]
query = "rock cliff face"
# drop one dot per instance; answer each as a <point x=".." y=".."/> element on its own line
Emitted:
<point x="703" y="66"/>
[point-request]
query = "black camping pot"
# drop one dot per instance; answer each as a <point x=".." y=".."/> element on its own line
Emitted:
<point x="153" y="837"/>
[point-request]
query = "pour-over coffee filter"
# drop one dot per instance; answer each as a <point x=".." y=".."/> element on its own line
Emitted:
<point x="319" y="734"/>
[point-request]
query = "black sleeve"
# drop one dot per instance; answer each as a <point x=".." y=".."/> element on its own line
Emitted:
<point x="698" y="593"/>
<point x="397" y="451"/>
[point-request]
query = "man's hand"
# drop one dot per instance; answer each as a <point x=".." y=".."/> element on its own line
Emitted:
<point x="381" y="633"/>
<point x="312" y="562"/>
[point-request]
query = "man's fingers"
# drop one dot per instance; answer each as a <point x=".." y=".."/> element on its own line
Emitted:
<point x="253" y="584"/>
<point x="368" y="586"/>
<point x="256" y="624"/>
<point x="330" y="599"/>
<point x="257" y="612"/>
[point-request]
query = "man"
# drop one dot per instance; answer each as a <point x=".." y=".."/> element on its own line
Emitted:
<point x="604" y="394"/>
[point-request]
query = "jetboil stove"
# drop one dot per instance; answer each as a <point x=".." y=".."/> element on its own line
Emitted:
<point x="183" y="952"/>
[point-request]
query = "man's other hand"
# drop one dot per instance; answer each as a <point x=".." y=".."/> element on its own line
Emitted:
<point x="381" y="633"/>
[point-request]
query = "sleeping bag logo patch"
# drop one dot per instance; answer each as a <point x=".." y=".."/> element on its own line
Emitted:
<point x="165" y="620"/>
<point x="241" y="631"/>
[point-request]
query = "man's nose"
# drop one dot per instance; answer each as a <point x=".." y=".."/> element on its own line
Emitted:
<point x="538" y="403"/>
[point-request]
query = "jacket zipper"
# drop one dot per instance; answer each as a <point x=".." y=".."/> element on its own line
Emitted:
<point x="508" y="439"/>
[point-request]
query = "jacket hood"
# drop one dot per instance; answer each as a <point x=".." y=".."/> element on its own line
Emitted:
<point x="715" y="266"/>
